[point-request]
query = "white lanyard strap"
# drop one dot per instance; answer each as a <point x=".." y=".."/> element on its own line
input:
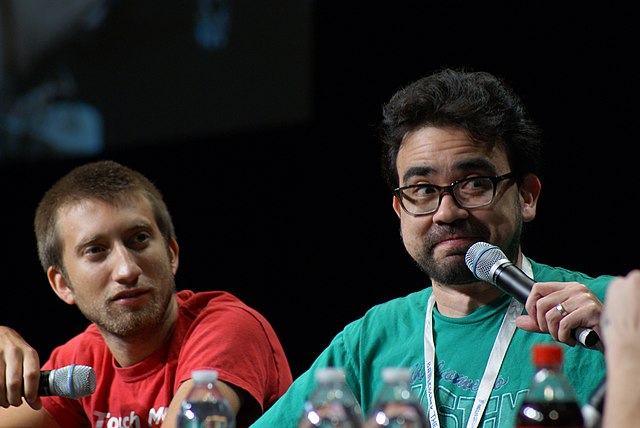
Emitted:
<point x="507" y="328"/>
<point x="500" y="345"/>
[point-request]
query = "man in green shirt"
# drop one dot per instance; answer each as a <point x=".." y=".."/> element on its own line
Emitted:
<point x="462" y="158"/>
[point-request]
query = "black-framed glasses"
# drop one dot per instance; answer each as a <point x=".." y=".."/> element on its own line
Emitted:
<point x="473" y="192"/>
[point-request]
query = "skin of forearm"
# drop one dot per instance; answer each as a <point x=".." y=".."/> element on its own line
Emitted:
<point x="622" y="400"/>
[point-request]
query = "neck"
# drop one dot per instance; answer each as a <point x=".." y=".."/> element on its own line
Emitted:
<point x="461" y="300"/>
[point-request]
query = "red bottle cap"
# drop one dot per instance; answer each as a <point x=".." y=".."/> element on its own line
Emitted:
<point x="547" y="354"/>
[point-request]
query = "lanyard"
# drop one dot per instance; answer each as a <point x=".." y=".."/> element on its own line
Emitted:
<point x="500" y="345"/>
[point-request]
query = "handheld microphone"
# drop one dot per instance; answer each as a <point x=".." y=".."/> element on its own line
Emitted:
<point x="73" y="381"/>
<point x="488" y="263"/>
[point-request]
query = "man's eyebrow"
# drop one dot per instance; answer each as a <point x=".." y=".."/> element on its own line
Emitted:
<point x="417" y="171"/>
<point x="463" y="166"/>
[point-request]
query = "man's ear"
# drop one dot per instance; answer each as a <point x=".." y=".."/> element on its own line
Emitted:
<point x="396" y="206"/>
<point x="530" y="192"/>
<point x="174" y="250"/>
<point x="59" y="285"/>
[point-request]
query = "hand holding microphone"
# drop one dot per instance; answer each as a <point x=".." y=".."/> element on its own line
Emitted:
<point x="488" y="263"/>
<point x="72" y="381"/>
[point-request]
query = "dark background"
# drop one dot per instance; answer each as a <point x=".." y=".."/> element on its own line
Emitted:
<point x="291" y="214"/>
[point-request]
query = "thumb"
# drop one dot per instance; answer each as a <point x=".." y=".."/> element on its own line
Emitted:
<point x="526" y="322"/>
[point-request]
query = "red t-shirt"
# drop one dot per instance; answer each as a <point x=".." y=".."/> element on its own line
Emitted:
<point x="214" y="330"/>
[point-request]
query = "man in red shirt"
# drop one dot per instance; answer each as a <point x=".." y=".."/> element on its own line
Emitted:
<point x="107" y="243"/>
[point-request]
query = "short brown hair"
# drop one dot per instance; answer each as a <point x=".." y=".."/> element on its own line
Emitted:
<point x="105" y="180"/>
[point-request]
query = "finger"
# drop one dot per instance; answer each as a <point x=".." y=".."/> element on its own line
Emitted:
<point x="528" y="323"/>
<point x="3" y="392"/>
<point x="552" y="319"/>
<point x="571" y="295"/>
<point x="21" y="372"/>
<point x="13" y="383"/>
<point x="31" y="380"/>
<point x="545" y="296"/>
<point x="562" y="327"/>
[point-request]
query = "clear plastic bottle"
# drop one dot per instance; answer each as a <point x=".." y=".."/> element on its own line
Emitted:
<point x="205" y="406"/>
<point x="551" y="400"/>
<point x="332" y="404"/>
<point x="396" y="405"/>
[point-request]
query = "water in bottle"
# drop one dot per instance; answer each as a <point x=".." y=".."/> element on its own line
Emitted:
<point x="205" y="406"/>
<point x="332" y="404"/>
<point x="396" y="405"/>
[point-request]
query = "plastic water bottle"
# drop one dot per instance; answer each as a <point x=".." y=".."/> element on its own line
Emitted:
<point x="205" y="406"/>
<point x="332" y="404"/>
<point x="396" y="405"/>
<point x="551" y="401"/>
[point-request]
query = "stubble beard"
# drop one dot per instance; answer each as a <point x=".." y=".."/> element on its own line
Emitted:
<point x="127" y="323"/>
<point x="453" y="270"/>
<point x="148" y="319"/>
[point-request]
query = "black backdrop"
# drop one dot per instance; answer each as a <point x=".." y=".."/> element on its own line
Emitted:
<point x="317" y="243"/>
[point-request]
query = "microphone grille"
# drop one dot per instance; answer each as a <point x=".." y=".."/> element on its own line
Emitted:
<point x="73" y="381"/>
<point x="480" y="259"/>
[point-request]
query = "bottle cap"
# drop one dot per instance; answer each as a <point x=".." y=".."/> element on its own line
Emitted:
<point x="204" y="376"/>
<point x="329" y="374"/>
<point x="396" y="374"/>
<point x="547" y="354"/>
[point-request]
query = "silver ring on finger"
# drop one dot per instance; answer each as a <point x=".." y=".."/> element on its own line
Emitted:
<point x="561" y="309"/>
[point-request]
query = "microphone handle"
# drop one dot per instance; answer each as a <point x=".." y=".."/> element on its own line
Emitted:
<point x="43" y="385"/>
<point x="518" y="285"/>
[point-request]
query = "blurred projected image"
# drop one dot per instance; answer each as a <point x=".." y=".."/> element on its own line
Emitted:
<point x="81" y="77"/>
<point x="40" y="115"/>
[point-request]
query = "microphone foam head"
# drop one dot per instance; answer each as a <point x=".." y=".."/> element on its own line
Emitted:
<point x="480" y="259"/>
<point x="73" y="381"/>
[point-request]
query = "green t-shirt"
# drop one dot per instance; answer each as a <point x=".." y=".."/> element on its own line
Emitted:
<point x="392" y="335"/>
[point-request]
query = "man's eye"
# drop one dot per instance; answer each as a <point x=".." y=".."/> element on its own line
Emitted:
<point x="93" y="250"/>
<point x="424" y="191"/>
<point x="480" y="184"/>
<point x="141" y="238"/>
